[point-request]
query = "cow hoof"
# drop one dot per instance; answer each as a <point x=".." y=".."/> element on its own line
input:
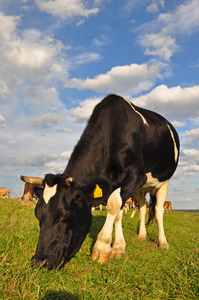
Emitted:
<point x="142" y="237"/>
<point x="94" y="255"/>
<point x="102" y="258"/>
<point x="117" y="255"/>
<point x="163" y="246"/>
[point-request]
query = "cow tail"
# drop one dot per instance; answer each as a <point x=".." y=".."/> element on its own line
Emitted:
<point x="152" y="203"/>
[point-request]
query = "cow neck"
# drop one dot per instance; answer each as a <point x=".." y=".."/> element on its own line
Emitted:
<point x="88" y="157"/>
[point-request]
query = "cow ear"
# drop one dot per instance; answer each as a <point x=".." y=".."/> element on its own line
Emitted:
<point x="69" y="181"/>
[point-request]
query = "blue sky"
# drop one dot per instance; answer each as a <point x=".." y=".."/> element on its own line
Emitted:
<point x="59" y="58"/>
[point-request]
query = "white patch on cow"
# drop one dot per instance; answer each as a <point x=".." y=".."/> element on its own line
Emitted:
<point x="175" y="147"/>
<point x="114" y="202"/>
<point x="143" y="118"/>
<point x="151" y="183"/>
<point x="49" y="192"/>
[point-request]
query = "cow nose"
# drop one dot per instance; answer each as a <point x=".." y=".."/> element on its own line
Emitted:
<point x="37" y="262"/>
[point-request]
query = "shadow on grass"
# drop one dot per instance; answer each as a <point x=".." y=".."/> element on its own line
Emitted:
<point x="54" y="295"/>
<point x="97" y="224"/>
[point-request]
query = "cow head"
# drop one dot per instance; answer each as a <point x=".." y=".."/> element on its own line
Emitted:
<point x="64" y="215"/>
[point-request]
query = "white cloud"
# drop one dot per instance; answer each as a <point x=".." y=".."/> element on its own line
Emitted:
<point x="46" y="120"/>
<point x="26" y="55"/>
<point x="2" y="119"/>
<point x="133" y="78"/>
<point x="159" y="44"/>
<point x="179" y="124"/>
<point x="192" y="154"/>
<point x="66" y="130"/>
<point x="36" y="160"/>
<point x="103" y="40"/>
<point x="55" y="167"/>
<point x="66" y="9"/>
<point x="131" y="4"/>
<point x="190" y="170"/>
<point x="191" y="137"/>
<point x="8" y="26"/>
<point x="2" y="122"/>
<point x="31" y="35"/>
<point x="52" y="162"/>
<point x="80" y="22"/>
<point x="194" y="64"/>
<point x="193" y="133"/>
<point x="159" y="37"/>
<point x="32" y="66"/>
<point x="86" y="58"/>
<point x="37" y="151"/>
<point x="175" y="102"/>
<point x="154" y="6"/>
<point x="83" y="112"/>
<point x="33" y="54"/>
<point x="184" y="20"/>
<point x="100" y="2"/>
<point x="66" y="154"/>
<point x="188" y="199"/>
<point x="40" y="99"/>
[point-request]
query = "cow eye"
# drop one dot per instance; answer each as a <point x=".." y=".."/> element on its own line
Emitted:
<point x="61" y="219"/>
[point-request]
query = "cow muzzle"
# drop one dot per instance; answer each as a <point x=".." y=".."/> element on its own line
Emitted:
<point x="47" y="263"/>
<point x="37" y="263"/>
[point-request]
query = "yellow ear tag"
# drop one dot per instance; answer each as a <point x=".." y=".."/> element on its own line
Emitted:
<point x="97" y="192"/>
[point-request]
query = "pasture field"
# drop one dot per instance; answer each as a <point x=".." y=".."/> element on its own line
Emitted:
<point x="146" y="272"/>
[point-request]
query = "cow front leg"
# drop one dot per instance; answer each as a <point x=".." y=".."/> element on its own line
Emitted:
<point x="159" y="212"/>
<point x="102" y="247"/>
<point x="118" y="249"/>
<point x="142" y="207"/>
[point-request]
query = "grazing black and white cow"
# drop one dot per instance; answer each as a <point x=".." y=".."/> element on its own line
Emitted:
<point x="124" y="149"/>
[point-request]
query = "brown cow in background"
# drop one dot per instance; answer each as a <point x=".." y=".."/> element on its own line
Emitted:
<point x="167" y="205"/>
<point x="4" y="192"/>
<point x="29" y="191"/>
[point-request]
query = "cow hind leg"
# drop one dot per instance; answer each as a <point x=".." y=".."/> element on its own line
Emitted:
<point x="159" y="212"/>
<point x="102" y="248"/>
<point x="133" y="213"/>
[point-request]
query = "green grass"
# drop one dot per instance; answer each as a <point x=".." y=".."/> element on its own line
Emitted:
<point x="146" y="272"/>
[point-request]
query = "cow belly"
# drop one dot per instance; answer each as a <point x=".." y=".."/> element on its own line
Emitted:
<point x="151" y="183"/>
